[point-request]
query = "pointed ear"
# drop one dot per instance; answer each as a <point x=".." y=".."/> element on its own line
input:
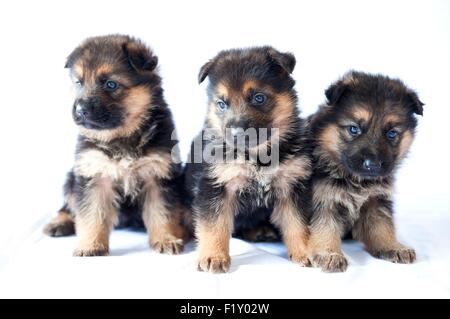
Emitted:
<point x="204" y="71"/>
<point x="413" y="102"/>
<point x="335" y="92"/>
<point x="286" y="60"/>
<point x="139" y="57"/>
<point x="70" y="61"/>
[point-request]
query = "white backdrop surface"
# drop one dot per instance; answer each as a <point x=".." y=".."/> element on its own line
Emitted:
<point x="405" y="39"/>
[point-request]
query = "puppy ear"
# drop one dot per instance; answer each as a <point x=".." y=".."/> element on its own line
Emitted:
<point x="70" y="61"/>
<point x="335" y="92"/>
<point x="204" y="71"/>
<point x="139" y="56"/>
<point x="413" y="102"/>
<point x="286" y="60"/>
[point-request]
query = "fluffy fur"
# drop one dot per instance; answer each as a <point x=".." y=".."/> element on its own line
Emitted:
<point x="245" y="195"/>
<point x="126" y="172"/>
<point x="360" y="136"/>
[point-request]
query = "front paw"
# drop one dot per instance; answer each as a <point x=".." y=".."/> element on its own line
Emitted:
<point x="402" y="255"/>
<point x="330" y="262"/>
<point x="90" y="252"/>
<point x="168" y="245"/>
<point x="300" y="259"/>
<point x="215" y="264"/>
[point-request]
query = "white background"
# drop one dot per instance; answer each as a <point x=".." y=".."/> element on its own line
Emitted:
<point x="405" y="39"/>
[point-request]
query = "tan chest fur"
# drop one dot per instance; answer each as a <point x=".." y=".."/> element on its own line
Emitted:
<point x="126" y="172"/>
<point x="327" y="194"/>
<point x="238" y="175"/>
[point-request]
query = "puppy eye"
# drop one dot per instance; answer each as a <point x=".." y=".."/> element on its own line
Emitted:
<point x="78" y="82"/>
<point x="111" y="85"/>
<point x="259" y="99"/>
<point x="221" y="105"/>
<point x="354" y="130"/>
<point x="392" y="134"/>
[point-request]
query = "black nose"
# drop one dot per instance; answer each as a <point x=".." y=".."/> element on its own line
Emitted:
<point x="236" y="131"/>
<point x="81" y="110"/>
<point x="371" y="165"/>
<point x="239" y="126"/>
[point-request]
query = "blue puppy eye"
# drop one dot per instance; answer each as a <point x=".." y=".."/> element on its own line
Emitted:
<point x="259" y="99"/>
<point x="354" y="130"/>
<point x="392" y="134"/>
<point x="221" y="105"/>
<point x="111" y="85"/>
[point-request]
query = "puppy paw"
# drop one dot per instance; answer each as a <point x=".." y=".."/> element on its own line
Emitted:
<point x="90" y="252"/>
<point x="61" y="225"/>
<point x="260" y="234"/>
<point x="330" y="262"/>
<point x="402" y="255"/>
<point x="59" y="229"/>
<point x="171" y="245"/>
<point x="214" y="264"/>
<point x="300" y="259"/>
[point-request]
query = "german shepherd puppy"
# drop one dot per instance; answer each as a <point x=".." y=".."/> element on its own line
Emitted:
<point x="125" y="165"/>
<point x="360" y="137"/>
<point x="249" y="89"/>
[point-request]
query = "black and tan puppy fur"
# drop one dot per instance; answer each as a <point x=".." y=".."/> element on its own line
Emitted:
<point x="361" y="135"/>
<point x="250" y="88"/>
<point x="124" y="170"/>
